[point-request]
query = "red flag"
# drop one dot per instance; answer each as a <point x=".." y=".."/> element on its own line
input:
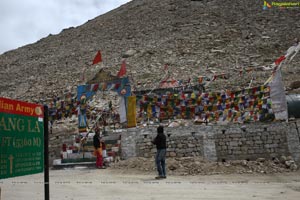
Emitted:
<point x="214" y="78"/>
<point x="98" y="58"/>
<point x="279" y="60"/>
<point x="122" y="71"/>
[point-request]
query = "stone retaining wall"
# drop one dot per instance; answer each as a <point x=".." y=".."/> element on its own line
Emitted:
<point x="213" y="142"/>
<point x="180" y="146"/>
<point x="250" y="144"/>
<point x="57" y="138"/>
<point x="218" y="142"/>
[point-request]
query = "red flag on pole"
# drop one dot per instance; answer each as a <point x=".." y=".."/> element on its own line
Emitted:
<point x="279" y="60"/>
<point x="122" y="71"/>
<point x="98" y="58"/>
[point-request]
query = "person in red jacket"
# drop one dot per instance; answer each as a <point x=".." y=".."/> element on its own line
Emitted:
<point x="98" y="150"/>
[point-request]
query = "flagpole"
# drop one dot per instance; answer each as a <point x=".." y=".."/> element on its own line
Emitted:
<point x="46" y="154"/>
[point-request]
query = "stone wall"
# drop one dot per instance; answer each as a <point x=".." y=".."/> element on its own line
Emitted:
<point x="249" y="144"/>
<point x="60" y="135"/>
<point x="179" y="146"/>
<point x="213" y="142"/>
<point x="218" y="142"/>
<point x="182" y="142"/>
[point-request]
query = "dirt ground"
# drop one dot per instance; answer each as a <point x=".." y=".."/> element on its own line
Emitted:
<point x="112" y="184"/>
<point x="198" y="166"/>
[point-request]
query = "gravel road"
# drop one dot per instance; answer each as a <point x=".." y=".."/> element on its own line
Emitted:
<point x="110" y="184"/>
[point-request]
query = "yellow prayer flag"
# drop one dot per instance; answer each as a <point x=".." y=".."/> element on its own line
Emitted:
<point x="193" y="95"/>
<point x="149" y="111"/>
<point x="131" y="112"/>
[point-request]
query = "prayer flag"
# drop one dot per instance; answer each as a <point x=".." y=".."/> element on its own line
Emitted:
<point x="277" y="94"/>
<point x="131" y="113"/>
<point x="122" y="110"/>
<point x="122" y="71"/>
<point x="98" y="58"/>
<point x="279" y="60"/>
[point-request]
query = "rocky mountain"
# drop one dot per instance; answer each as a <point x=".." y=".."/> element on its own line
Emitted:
<point x="195" y="38"/>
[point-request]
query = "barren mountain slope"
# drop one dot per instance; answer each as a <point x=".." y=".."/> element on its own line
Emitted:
<point x="194" y="37"/>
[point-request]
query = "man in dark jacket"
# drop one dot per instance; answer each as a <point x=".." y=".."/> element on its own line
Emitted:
<point x="160" y="159"/>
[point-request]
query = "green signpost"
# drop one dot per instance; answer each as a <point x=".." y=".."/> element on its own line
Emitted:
<point x="21" y="138"/>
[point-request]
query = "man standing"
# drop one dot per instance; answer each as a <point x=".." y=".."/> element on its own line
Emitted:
<point x="160" y="159"/>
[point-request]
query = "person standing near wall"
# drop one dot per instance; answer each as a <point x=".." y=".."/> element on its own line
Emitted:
<point x="98" y="149"/>
<point x="160" y="159"/>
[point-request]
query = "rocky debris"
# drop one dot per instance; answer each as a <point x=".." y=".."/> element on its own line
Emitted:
<point x="197" y="165"/>
<point x="288" y="162"/>
<point x="295" y="85"/>
<point x="129" y="53"/>
<point x="59" y="133"/>
<point x="190" y="36"/>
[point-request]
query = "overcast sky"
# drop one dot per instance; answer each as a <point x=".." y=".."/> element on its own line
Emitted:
<point x="26" y="21"/>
